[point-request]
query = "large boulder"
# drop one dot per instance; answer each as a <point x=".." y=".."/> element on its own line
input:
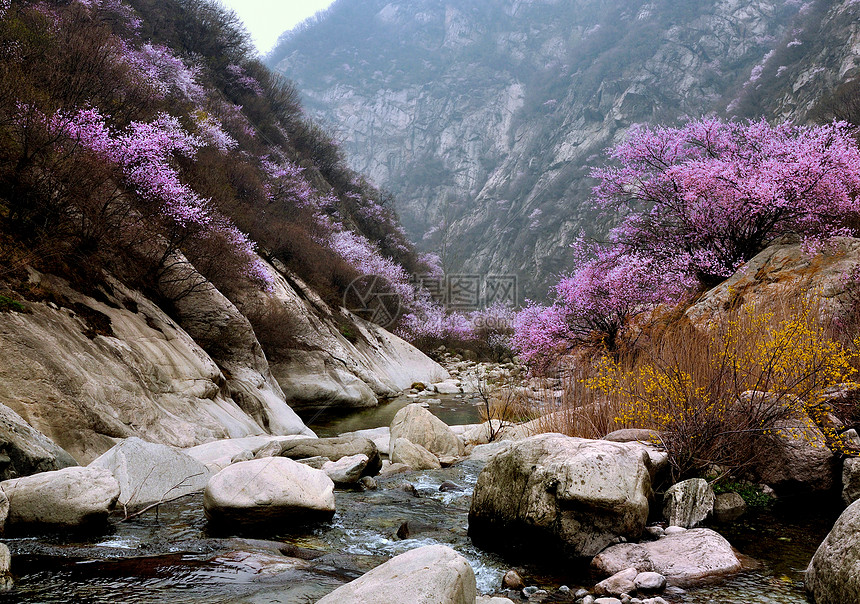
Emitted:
<point x="72" y="497"/>
<point x="433" y="574"/>
<point x="687" y="503"/>
<point x="151" y="473"/>
<point x="218" y="454"/>
<point x="798" y="459"/>
<point x="684" y="558"/>
<point x="415" y="456"/>
<point x="833" y="576"/>
<point x="334" y="448"/>
<point x="274" y="490"/>
<point x="851" y="480"/>
<point x="572" y="494"/>
<point x="24" y="450"/>
<point x="346" y="470"/>
<point x="418" y="425"/>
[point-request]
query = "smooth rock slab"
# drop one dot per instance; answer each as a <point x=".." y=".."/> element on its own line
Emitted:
<point x="558" y="492"/>
<point x="833" y="575"/>
<point x="71" y="497"/>
<point x="150" y="472"/>
<point x="434" y="574"/>
<point x="689" y="502"/>
<point x="418" y="425"/>
<point x="262" y="491"/>
<point x="334" y="448"/>
<point x="684" y="559"/>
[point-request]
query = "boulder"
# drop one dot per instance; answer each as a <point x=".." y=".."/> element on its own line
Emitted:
<point x="572" y="494"/>
<point x="627" y="435"/>
<point x="379" y="436"/>
<point x="271" y="490"/>
<point x="415" y="456"/>
<point x="685" y="558"/>
<point x="218" y="454"/>
<point x="418" y="425"/>
<point x="851" y="480"/>
<point x="728" y="507"/>
<point x="447" y="387"/>
<point x="334" y="448"/>
<point x="24" y="450"/>
<point x="150" y="473"/>
<point x="798" y="459"/>
<point x="619" y="583"/>
<point x="433" y="574"/>
<point x="833" y="575"/>
<point x="72" y="497"/>
<point x="346" y="470"/>
<point x="6" y="582"/>
<point x="649" y="582"/>
<point x="689" y="502"/>
<point x="480" y="434"/>
<point x="488" y="451"/>
<point x="4" y="511"/>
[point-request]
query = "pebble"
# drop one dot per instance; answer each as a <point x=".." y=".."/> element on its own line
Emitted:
<point x="530" y="590"/>
<point x="608" y="601"/>
<point x="564" y="589"/>
<point x="369" y="483"/>
<point x="650" y="582"/>
<point x="580" y="593"/>
<point x="674" y="530"/>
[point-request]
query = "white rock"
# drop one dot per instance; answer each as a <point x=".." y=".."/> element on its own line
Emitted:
<point x="423" y="428"/>
<point x="415" y="456"/>
<point x="272" y="489"/>
<point x="219" y="454"/>
<point x="433" y="574"/>
<point x="851" y="480"/>
<point x="379" y="436"/>
<point x="346" y="470"/>
<point x="689" y="502"/>
<point x="69" y="497"/>
<point x="833" y="576"/>
<point x="579" y="494"/>
<point x="149" y="472"/>
<point x="684" y="559"/>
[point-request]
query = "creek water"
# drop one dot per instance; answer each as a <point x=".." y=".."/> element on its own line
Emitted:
<point x="172" y="557"/>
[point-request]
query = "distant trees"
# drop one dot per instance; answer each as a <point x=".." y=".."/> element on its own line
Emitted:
<point x="695" y="202"/>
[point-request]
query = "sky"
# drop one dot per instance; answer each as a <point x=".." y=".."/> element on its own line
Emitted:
<point x="268" y="19"/>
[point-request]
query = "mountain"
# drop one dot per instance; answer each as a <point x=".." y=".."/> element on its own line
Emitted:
<point x="483" y="118"/>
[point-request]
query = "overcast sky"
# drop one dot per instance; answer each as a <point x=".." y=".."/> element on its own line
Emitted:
<point x="268" y="19"/>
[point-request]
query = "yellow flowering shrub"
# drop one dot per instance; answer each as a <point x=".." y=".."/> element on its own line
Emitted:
<point x="717" y="398"/>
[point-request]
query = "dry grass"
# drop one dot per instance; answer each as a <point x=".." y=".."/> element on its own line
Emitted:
<point x="719" y="396"/>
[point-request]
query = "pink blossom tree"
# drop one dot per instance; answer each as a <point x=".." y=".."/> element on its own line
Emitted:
<point x="715" y="193"/>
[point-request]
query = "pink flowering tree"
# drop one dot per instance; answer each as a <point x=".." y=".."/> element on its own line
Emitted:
<point x="715" y="193"/>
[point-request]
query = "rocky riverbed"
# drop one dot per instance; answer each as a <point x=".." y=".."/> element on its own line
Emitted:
<point x="171" y="553"/>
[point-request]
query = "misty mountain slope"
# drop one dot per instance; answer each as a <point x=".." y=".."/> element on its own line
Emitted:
<point x="484" y="118"/>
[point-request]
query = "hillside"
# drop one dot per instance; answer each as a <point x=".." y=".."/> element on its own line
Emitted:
<point x="176" y="237"/>
<point x="484" y="119"/>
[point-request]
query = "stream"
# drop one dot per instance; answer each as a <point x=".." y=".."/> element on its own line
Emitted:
<point x="170" y="556"/>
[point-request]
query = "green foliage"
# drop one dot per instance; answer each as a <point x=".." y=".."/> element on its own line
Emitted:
<point x="9" y="305"/>
<point x="752" y="494"/>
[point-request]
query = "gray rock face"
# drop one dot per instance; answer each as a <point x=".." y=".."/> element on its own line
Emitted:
<point x="71" y="497"/>
<point x="728" y="507"/>
<point x="798" y="460"/>
<point x="334" y="448"/>
<point x="851" y="480"/>
<point x="832" y="576"/>
<point x="687" y="503"/>
<point x="415" y="456"/>
<point x="433" y="574"/>
<point x="418" y="425"/>
<point x="149" y="472"/>
<point x="265" y="491"/>
<point x="570" y="494"/>
<point x="684" y="558"/>
<point x="26" y="450"/>
<point x="492" y="141"/>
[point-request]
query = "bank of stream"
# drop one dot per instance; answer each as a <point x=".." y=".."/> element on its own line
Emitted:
<point x="169" y="555"/>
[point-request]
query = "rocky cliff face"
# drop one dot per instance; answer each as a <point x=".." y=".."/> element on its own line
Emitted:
<point x="483" y="118"/>
<point x="84" y="370"/>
